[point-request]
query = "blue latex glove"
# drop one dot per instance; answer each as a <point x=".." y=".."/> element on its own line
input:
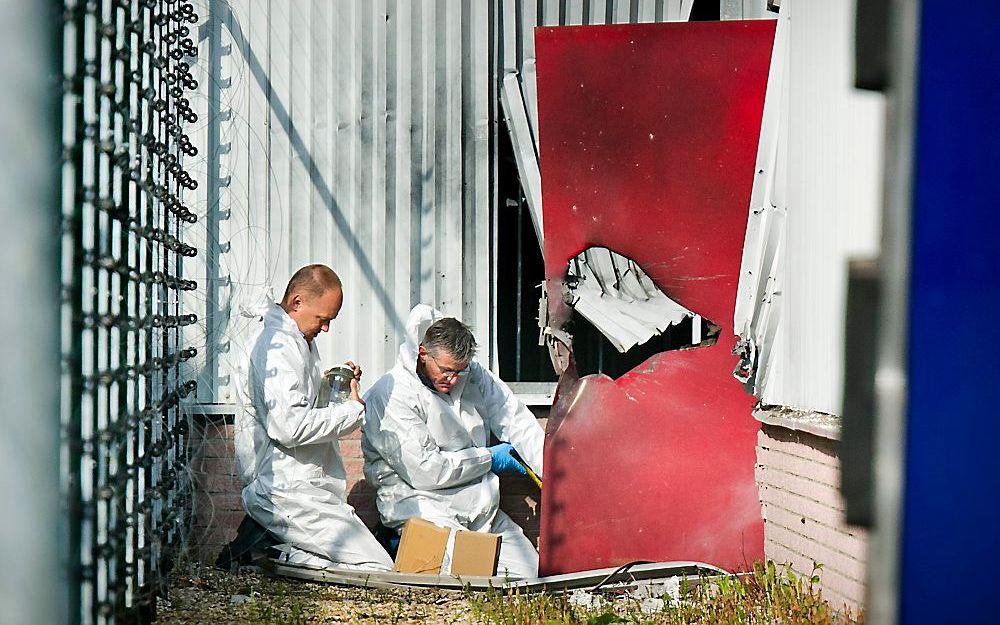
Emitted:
<point x="503" y="462"/>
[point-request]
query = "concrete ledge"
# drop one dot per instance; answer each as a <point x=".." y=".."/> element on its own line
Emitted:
<point x="815" y="423"/>
<point x="534" y="393"/>
<point x="196" y="409"/>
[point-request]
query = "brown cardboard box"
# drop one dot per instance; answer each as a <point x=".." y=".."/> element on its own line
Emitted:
<point x="476" y="553"/>
<point x="421" y="547"/>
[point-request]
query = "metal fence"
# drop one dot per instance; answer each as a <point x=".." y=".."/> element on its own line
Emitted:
<point x="126" y="69"/>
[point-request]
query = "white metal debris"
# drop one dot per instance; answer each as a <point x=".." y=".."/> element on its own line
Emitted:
<point x="580" y="598"/>
<point x="525" y="151"/>
<point x="653" y="595"/>
<point x="655" y="573"/>
<point x="614" y="294"/>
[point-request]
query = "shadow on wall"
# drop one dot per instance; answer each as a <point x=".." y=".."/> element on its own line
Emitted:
<point x="217" y="306"/>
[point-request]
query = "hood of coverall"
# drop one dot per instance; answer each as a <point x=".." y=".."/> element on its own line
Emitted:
<point x="260" y="305"/>
<point x="257" y="303"/>
<point x="419" y="319"/>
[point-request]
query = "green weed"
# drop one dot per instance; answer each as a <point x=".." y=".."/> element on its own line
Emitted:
<point x="767" y="594"/>
<point x="279" y="606"/>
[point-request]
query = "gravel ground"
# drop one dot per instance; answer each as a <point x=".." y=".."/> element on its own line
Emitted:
<point x="201" y="594"/>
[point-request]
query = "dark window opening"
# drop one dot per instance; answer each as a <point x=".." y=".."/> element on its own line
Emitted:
<point x="520" y="274"/>
<point x="594" y="353"/>
<point x="705" y="11"/>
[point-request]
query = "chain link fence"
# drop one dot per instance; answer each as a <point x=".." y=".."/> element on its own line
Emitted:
<point x="125" y="69"/>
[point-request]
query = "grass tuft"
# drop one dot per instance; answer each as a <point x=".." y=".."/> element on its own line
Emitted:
<point x="768" y="594"/>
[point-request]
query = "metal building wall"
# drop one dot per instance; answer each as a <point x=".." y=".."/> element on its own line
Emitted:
<point x="744" y="10"/>
<point x="360" y="134"/>
<point x="355" y="134"/>
<point x="818" y="207"/>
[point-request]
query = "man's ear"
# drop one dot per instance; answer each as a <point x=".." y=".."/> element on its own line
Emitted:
<point x="296" y="302"/>
<point x="422" y="351"/>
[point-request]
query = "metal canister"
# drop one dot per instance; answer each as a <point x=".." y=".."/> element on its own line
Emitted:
<point x="339" y="378"/>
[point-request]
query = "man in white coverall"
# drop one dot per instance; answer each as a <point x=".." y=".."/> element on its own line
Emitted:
<point x="286" y="445"/>
<point x="426" y="434"/>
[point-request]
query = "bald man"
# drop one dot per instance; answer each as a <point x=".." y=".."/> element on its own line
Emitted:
<point x="286" y="443"/>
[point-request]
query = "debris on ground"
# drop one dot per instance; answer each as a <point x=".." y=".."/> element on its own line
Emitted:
<point x="201" y="594"/>
<point x="768" y="594"/>
<point x="580" y="598"/>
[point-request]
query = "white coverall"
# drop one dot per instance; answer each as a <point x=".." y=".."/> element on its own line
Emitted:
<point x="426" y="451"/>
<point x="287" y="451"/>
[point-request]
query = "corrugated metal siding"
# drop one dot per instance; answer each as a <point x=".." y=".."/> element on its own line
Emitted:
<point x="351" y="133"/>
<point x="828" y="186"/>
<point x="359" y="134"/>
<point x="744" y="9"/>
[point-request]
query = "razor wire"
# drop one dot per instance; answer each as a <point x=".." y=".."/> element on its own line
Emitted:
<point x="126" y="69"/>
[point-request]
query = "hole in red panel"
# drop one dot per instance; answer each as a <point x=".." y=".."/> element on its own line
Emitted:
<point x="622" y="318"/>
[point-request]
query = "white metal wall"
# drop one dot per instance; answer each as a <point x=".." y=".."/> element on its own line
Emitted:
<point x="744" y="10"/>
<point x="355" y="134"/>
<point x="822" y="208"/>
<point x="359" y="133"/>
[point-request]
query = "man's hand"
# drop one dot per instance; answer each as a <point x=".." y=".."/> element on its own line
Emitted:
<point x="357" y="370"/>
<point x="503" y="462"/>
<point x="356" y="383"/>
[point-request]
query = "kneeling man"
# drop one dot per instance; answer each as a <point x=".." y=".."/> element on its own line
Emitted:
<point x="426" y="434"/>
<point x="286" y="443"/>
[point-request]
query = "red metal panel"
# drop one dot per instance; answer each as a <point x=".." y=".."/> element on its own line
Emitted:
<point x="648" y="138"/>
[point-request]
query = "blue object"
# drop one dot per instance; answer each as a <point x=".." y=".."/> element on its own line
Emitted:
<point x="503" y="462"/>
<point x="951" y="510"/>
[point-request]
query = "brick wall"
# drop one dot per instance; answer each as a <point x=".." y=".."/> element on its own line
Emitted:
<point x="218" y="507"/>
<point x="219" y="510"/>
<point x="799" y="475"/>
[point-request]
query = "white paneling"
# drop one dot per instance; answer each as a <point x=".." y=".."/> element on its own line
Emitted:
<point x="828" y="184"/>
<point x="355" y="134"/>
<point x="835" y="157"/>
<point x="744" y="9"/>
<point x="477" y="134"/>
<point x="759" y="296"/>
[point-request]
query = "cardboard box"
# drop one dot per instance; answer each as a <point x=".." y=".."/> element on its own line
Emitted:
<point x="476" y="553"/>
<point x="423" y="544"/>
<point x="421" y="547"/>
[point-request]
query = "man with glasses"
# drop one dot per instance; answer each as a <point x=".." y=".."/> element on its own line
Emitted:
<point x="426" y="438"/>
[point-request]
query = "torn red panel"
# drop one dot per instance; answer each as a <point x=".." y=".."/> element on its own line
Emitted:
<point x="648" y="138"/>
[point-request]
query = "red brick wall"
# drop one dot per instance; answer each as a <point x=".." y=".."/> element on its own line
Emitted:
<point x="219" y="510"/>
<point x="799" y="479"/>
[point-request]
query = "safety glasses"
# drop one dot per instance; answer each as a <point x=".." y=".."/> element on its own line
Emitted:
<point x="449" y="373"/>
